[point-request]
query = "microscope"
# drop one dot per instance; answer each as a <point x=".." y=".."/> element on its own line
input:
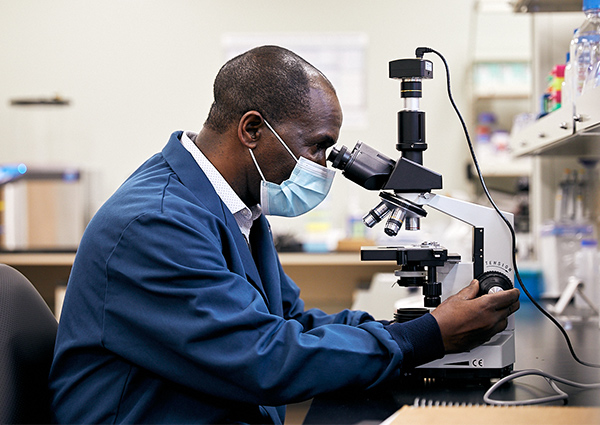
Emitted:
<point x="405" y="189"/>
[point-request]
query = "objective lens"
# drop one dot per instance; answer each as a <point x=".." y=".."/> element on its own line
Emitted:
<point x="413" y="223"/>
<point x="376" y="215"/>
<point x="395" y="221"/>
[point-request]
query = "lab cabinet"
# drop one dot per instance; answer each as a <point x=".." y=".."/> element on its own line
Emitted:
<point x="500" y="75"/>
<point x="501" y="88"/>
<point x="41" y="209"/>
<point x="500" y="162"/>
<point x="557" y="142"/>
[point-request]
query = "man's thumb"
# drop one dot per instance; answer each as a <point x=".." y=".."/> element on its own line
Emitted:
<point x="471" y="291"/>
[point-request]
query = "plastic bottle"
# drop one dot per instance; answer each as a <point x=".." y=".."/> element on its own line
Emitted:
<point x="593" y="79"/>
<point x="553" y="96"/>
<point x="585" y="45"/>
<point x="558" y="77"/>
<point x="559" y="244"/>
<point x="355" y="228"/>
<point x="586" y="269"/>
<point x="567" y="83"/>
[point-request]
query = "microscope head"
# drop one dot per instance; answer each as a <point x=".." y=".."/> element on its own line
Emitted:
<point x="372" y="170"/>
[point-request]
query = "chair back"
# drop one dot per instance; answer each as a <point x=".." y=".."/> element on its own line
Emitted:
<point x="27" y="334"/>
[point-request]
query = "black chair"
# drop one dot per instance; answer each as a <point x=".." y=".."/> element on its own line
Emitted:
<point x="27" y="333"/>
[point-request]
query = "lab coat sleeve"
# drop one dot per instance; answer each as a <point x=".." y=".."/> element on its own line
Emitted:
<point x="174" y="307"/>
<point x="314" y="317"/>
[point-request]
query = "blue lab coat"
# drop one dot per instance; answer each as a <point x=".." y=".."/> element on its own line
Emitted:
<point x="169" y="317"/>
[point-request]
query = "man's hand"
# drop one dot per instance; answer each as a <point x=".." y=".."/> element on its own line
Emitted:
<point x="467" y="321"/>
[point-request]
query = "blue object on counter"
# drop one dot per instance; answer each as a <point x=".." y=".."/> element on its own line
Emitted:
<point x="11" y="172"/>
<point x="533" y="280"/>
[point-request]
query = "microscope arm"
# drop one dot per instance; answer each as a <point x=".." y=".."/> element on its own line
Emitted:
<point x="492" y="241"/>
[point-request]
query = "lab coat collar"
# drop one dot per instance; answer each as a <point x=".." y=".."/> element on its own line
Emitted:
<point x="194" y="179"/>
<point x="191" y="175"/>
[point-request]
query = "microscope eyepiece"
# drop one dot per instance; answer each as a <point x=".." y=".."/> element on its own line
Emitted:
<point x="339" y="157"/>
<point x="364" y="166"/>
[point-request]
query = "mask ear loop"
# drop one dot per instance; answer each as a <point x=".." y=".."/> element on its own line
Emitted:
<point x="262" y="176"/>
<point x="279" y="138"/>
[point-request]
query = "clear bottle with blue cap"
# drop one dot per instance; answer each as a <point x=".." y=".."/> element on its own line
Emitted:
<point x="585" y="47"/>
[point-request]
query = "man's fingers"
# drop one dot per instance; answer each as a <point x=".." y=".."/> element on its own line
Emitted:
<point x="500" y="326"/>
<point x="469" y="292"/>
<point x="504" y="299"/>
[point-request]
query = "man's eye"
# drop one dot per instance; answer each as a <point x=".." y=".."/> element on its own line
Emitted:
<point x="324" y="145"/>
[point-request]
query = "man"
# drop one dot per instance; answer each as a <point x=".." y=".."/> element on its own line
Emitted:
<point x="177" y="308"/>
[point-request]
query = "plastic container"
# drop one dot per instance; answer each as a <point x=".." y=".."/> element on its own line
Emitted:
<point x="559" y="244"/>
<point x="486" y="125"/>
<point x="355" y="228"/>
<point x="585" y="45"/>
<point x="586" y="269"/>
<point x="555" y="83"/>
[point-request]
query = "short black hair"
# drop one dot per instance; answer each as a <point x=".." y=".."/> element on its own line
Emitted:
<point x="269" y="79"/>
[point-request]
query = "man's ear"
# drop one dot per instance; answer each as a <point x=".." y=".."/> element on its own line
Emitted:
<point x="250" y="128"/>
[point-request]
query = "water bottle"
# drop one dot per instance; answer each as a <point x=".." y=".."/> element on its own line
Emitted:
<point x="567" y="83"/>
<point x="585" y="45"/>
<point x="593" y="79"/>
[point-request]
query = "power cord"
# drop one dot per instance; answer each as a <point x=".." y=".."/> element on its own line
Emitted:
<point x="561" y="395"/>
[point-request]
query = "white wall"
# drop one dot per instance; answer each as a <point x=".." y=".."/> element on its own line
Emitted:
<point x="137" y="70"/>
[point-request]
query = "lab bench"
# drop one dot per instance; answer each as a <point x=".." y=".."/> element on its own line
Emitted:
<point x="539" y="345"/>
<point x="326" y="280"/>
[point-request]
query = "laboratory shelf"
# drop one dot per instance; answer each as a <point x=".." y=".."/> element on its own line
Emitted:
<point x="537" y="6"/>
<point x="564" y="132"/>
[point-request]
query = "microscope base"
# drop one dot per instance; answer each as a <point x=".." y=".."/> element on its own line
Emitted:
<point x="464" y="374"/>
<point x="494" y="359"/>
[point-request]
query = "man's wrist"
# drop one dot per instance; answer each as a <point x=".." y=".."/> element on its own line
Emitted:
<point x="420" y="339"/>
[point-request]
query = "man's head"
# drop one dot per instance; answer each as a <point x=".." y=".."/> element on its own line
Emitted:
<point x="269" y="79"/>
<point x="275" y="85"/>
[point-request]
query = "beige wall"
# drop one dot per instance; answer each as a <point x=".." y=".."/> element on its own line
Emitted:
<point x="137" y="70"/>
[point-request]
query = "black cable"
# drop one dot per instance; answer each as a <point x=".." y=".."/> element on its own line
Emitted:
<point x="419" y="53"/>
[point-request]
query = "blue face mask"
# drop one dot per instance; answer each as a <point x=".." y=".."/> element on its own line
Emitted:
<point x="306" y="187"/>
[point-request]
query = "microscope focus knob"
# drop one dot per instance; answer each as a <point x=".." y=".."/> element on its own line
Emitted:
<point x="490" y="282"/>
